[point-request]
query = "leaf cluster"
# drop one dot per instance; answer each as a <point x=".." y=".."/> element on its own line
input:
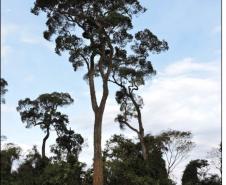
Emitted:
<point x="43" y="111"/>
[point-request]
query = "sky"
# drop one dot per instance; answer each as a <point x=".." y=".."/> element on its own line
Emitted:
<point x="184" y="95"/>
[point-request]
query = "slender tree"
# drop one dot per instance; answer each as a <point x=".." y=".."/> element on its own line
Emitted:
<point x="129" y="73"/>
<point x="176" y="147"/>
<point x="94" y="33"/>
<point x="3" y="84"/>
<point x="43" y="112"/>
<point x="130" y="107"/>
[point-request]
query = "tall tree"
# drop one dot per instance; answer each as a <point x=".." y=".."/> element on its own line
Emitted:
<point x="129" y="73"/>
<point x="43" y="112"/>
<point x="3" y="84"/>
<point x="94" y="33"/>
<point x="177" y="145"/>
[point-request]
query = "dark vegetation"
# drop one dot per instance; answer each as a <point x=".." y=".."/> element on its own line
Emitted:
<point x="101" y="47"/>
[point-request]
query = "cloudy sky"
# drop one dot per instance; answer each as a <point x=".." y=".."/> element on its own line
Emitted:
<point x="184" y="95"/>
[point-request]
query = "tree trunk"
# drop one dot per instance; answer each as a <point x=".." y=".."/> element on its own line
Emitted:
<point x="143" y="146"/>
<point x="98" y="161"/>
<point x="98" y="110"/>
<point x="141" y="129"/>
<point x="44" y="144"/>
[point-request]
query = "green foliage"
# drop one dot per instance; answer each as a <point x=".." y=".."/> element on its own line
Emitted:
<point x="9" y="154"/>
<point x="196" y="173"/>
<point x="191" y="173"/>
<point x="62" y="173"/>
<point x="3" y="84"/>
<point x="30" y="170"/>
<point x="103" y="23"/>
<point x="43" y="112"/>
<point x="34" y="170"/>
<point x="68" y="146"/>
<point x="124" y="163"/>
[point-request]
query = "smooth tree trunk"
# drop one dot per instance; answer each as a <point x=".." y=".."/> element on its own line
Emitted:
<point x="98" y="178"/>
<point x="44" y="143"/>
<point x="98" y="161"/>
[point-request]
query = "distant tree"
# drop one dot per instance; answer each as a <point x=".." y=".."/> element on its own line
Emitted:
<point x="43" y="112"/>
<point x="191" y="175"/>
<point x="124" y="163"/>
<point x="3" y="84"/>
<point x="30" y="170"/>
<point x="9" y="153"/>
<point x="177" y="145"/>
<point x="54" y="171"/>
<point x="68" y="146"/>
<point x="58" y="173"/>
<point x="215" y="157"/>
<point x="96" y="33"/>
<point x="196" y="173"/>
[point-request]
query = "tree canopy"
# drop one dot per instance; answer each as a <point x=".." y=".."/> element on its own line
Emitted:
<point x="43" y="112"/>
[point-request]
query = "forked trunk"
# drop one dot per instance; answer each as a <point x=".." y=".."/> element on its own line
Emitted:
<point x="98" y="178"/>
<point x="44" y="143"/>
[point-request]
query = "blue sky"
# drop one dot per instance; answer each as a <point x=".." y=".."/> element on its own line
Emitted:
<point x="184" y="95"/>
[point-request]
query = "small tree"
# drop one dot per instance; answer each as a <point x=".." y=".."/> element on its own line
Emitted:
<point x="43" y="112"/>
<point x="68" y="146"/>
<point x="3" y="84"/>
<point x="192" y="174"/>
<point x="176" y="147"/>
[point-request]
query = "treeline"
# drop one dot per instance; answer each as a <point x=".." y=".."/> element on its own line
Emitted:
<point x="123" y="164"/>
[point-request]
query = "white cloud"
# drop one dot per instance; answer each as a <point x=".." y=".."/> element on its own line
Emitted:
<point x="186" y="96"/>
<point x="6" y="31"/>
<point x="12" y="31"/>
